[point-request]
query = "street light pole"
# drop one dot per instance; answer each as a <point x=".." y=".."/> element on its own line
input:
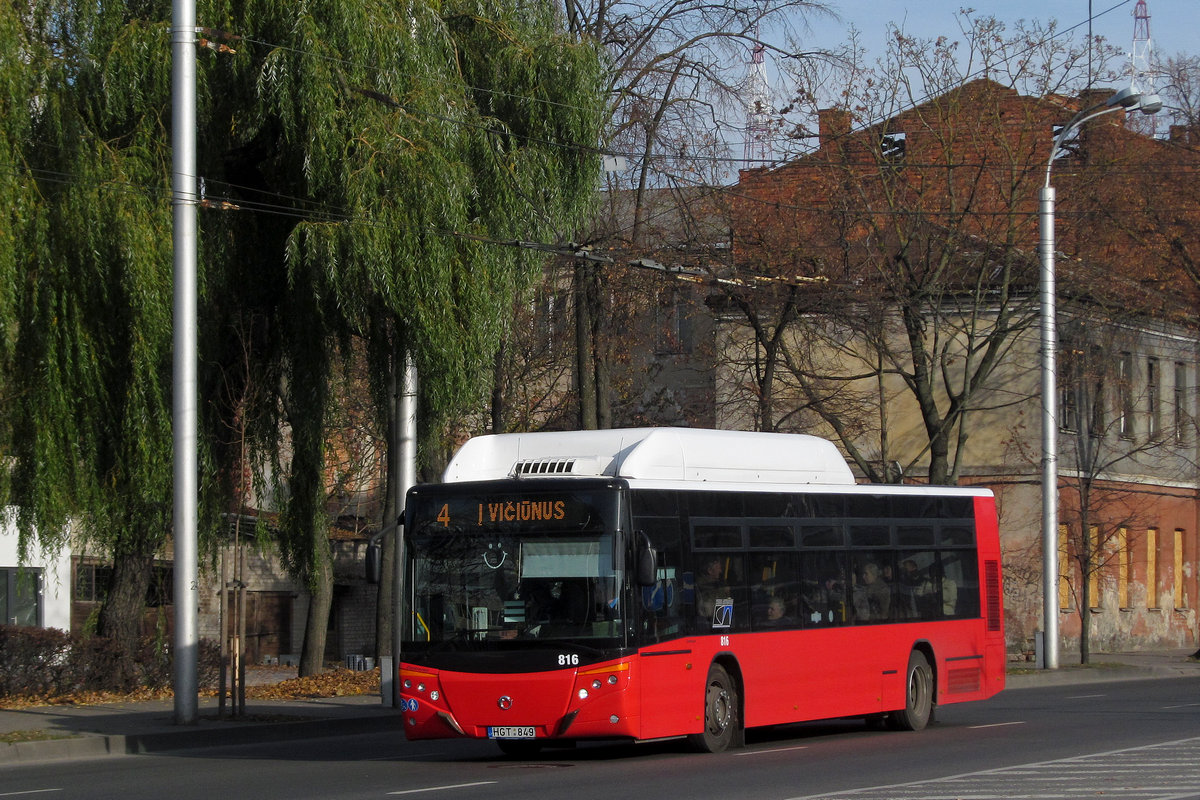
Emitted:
<point x="1125" y="99"/>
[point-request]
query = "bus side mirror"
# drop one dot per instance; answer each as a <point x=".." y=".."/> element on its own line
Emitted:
<point x="374" y="560"/>
<point x="646" y="567"/>
<point x="374" y="565"/>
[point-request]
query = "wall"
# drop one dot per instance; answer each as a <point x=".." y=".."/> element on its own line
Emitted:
<point x="56" y="577"/>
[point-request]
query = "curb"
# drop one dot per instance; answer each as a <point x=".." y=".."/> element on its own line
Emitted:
<point x="79" y="746"/>
<point x="89" y="745"/>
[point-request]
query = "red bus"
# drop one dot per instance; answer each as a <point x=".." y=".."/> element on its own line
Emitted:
<point x="661" y="582"/>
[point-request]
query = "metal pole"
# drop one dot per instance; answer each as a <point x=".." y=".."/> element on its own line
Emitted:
<point x="406" y="423"/>
<point x="183" y="201"/>
<point x="1049" y="431"/>
<point x="1125" y="99"/>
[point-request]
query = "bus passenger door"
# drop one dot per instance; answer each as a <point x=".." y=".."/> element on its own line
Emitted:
<point x="671" y="678"/>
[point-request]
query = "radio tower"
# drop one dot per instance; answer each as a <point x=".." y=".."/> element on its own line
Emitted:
<point x="758" y="110"/>
<point x="1141" y="70"/>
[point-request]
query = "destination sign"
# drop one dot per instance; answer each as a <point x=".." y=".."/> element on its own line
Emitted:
<point x="573" y="511"/>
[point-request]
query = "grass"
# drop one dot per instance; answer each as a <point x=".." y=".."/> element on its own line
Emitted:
<point x="16" y="737"/>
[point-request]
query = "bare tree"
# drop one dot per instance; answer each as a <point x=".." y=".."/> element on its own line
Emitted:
<point x="1180" y="88"/>
<point x="917" y="234"/>
<point x="677" y="108"/>
<point x="1103" y="386"/>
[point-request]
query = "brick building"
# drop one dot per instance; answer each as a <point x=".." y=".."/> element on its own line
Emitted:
<point x="882" y="291"/>
<point x="906" y="329"/>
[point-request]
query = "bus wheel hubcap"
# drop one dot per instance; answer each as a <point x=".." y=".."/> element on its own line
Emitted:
<point x="718" y="706"/>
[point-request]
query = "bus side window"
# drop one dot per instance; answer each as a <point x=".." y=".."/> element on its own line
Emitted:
<point x="661" y="605"/>
<point x="720" y="577"/>
<point x="916" y="594"/>
<point x="774" y="590"/>
<point x="960" y="584"/>
<point x="823" y="589"/>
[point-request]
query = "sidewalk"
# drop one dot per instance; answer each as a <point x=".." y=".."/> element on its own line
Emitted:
<point x="1106" y="667"/>
<point x="148" y="727"/>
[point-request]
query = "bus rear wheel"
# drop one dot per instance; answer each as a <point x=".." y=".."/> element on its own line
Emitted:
<point x="918" y="694"/>
<point x="720" y="713"/>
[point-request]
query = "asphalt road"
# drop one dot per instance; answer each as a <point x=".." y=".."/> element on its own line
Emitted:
<point x="1135" y="739"/>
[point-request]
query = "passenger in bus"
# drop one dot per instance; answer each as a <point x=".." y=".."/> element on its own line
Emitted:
<point x="909" y="588"/>
<point x="710" y="587"/>
<point x="777" y="616"/>
<point x="872" y="596"/>
<point x="825" y="602"/>
<point x="949" y="589"/>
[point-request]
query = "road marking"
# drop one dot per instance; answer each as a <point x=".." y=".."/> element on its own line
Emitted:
<point x="775" y="750"/>
<point x="1118" y="774"/>
<point x="1085" y="696"/>
<point x="28" y="791"/>
<point x="993" y="725"/>
<point x="1185" y="705"/>
<point x="443" y="788"/>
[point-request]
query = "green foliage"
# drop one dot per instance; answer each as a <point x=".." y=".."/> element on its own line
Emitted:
<point x="92" y="311"/>
<point x="391" y="131"/>
<point x="369" y="148"/>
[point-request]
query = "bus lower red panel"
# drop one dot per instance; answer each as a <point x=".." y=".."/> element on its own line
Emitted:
<point x="587" y="702"/>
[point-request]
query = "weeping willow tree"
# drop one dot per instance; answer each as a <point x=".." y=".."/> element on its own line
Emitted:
<point x="416" y="135"/>
<point x="16" y="89"/>
<point x="91" y="295"/>
<point x="359" y="159"/>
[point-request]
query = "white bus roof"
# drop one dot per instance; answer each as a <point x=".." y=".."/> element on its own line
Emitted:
<point x="668" y="454"/>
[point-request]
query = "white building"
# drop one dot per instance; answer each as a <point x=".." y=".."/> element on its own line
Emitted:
<point x="36" y="592"/>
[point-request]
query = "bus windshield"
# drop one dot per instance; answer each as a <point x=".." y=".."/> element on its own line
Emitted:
<point x="504" y="567"/>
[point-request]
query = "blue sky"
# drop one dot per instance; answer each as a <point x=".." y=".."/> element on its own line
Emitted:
<point x="1174" y="24"/>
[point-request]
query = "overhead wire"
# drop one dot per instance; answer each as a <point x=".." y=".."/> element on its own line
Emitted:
<point x="328" y="214"/>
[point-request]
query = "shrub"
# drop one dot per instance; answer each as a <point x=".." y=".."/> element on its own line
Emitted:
<point x="40" y="662"/>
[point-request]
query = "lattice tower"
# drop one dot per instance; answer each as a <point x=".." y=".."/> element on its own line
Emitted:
<point x="758" y="110"/>
<point x="1141" y="66"/>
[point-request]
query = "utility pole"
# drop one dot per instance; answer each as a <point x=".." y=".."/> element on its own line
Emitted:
<point x="405" y="444"/>
<point x="184" y="413"/>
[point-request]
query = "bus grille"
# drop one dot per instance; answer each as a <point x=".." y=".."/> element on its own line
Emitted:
<point x="991" y="577"/>
<point x="545" y="466"/>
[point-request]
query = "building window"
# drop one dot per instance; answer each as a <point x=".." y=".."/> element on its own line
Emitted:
<point x="21" y="596"/>
<point x="1068" y="390"/>
<point x="1081" y="390"/>
<point x="1124" y="568"/>
<point x="1182" y="412"/>
<point x="1125" y="395"/>
<point x="674" y="324"/>
<point x="1152" y="568"/>
<point x="92" y="582"/>
<point x="1064" y="570"/>
<point x="1093" y="567"/>
<point x="1153" y="395"/>
<point x="892" y="146"/>
<point x="1177" y="571"/>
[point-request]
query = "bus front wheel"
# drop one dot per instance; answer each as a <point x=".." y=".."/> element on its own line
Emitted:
<point x="720" y="712"/>
<point x="918" y="695"/>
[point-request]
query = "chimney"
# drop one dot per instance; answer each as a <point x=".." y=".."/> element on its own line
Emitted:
<point x="1089" y="98"/>
<point x="1185" y="134"/>
<point x="832" y="123"/>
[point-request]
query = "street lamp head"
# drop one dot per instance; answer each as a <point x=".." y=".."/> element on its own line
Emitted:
<point x="1125" y="98"/>
<point x="1150" y="104"/>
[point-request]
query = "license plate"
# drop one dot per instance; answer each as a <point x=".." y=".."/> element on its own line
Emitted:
<point x="511" y="732"/>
